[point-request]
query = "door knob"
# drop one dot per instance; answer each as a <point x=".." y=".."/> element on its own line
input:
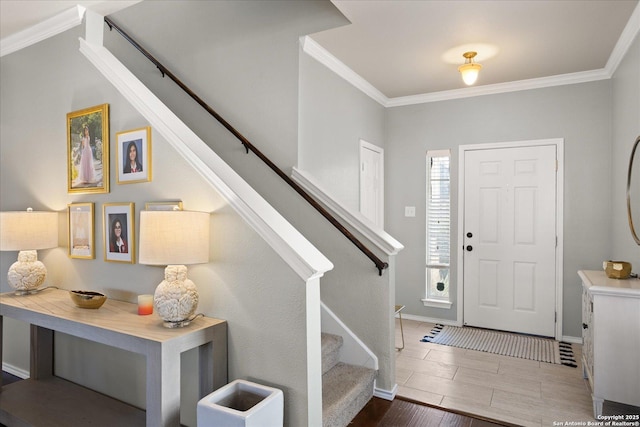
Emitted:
<point x="469" y="248"/>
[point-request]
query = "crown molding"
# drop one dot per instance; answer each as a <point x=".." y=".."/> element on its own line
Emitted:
<point x="629" y="33"/>
<point x="627" y="37"/>
<point x="516" y="86"/>
<point x="320" y="54"/>
<point x="43" y="30"/>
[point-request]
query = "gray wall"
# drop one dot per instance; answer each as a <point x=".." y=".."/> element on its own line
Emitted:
<point x="626" y="128"/>
<point x="246" y="282"/>
<point x="580" y="113"/>
<point x="243" y="59"/>
<point x="334" y="116"/>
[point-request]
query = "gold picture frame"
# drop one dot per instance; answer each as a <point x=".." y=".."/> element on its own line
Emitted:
<point x="88" y="150"/>
<point x="163" y="206"/>
<point x="134" y="155"/>
<point x="81" y="230"/>
<point x="119" y="232"/>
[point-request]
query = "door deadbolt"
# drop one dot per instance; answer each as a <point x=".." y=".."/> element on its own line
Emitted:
<point x="469" y="234"/>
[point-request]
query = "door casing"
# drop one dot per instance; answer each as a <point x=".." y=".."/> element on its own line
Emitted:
<point x="559" y="144"/>
<point x="378" y="187"/>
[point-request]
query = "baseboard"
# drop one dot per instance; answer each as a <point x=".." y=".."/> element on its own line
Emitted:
<point x="20" y="373"/>
<point x="385" y="394"/>
<point x="430" y="320"/>
<point x="572" y="340"/>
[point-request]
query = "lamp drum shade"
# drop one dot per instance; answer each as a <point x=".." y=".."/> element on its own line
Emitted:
<point x="174" y="237"/>
<point x="28" y="230"/>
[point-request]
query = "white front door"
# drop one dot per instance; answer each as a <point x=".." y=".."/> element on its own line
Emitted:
<point x="372" y="183"/>
<point x="510" y="239"/>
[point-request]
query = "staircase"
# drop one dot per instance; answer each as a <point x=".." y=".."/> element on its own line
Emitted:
<point x="346" y="389"/>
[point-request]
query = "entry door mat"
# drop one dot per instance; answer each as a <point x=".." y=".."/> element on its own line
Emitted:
<point x="504" y="343"/>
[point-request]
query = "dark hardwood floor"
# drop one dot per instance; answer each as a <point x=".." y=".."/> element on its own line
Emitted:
<point x="7" y="378"/>
<point x="397" y="413"/>
<point x="403" y="413"/>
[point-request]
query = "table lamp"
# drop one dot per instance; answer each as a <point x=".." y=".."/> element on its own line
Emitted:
<point x="174" y="238"/>
<point x="27" y="231"/>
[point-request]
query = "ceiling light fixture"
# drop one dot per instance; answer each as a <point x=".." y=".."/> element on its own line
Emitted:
<point x="469" y="69"/>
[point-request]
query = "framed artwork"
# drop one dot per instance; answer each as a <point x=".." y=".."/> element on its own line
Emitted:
<point x="81" y="231"/>
<point x="134" y="155"/>
<point x="119" y="232"/>
<point x="88" y="150"/>
<point x="163" y="206"/>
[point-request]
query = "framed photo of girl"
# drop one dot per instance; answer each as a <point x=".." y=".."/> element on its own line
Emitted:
<point x="119" y="233"/>
<point x="81" y="231"/>
<point x="88" y="150"/>
<point x="134" y="155"/>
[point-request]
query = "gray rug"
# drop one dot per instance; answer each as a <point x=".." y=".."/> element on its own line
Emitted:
<point x="504" y="343"/>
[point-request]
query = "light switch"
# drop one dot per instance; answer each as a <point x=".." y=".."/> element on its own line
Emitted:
<point x="409" y="211"/>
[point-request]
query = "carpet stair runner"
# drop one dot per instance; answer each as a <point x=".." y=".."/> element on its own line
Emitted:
<point x="346" y="389"/>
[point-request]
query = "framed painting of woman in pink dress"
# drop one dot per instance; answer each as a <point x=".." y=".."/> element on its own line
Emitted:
<point x="88" y="150"/>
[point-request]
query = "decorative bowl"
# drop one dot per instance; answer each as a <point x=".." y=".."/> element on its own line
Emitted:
<point x="617" y="269"/>
<point x="87" y="299"/>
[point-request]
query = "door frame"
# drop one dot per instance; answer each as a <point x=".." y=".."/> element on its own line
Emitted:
<point x="559" y="145"/>
<point x="380" y="188"/>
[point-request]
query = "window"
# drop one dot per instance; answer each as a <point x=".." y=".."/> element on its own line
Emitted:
<point x="438" y="262"/>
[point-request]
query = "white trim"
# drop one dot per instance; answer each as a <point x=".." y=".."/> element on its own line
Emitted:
<point x="307" y="261"/>
<point x="363" y="225"/>
<point x="624" y="42"/>
<point x="515" y="86"/>
<point x="385" y="394"/>
<point x="314" y="351"/>
<point x="559" y="143"/>
<point x="14" y="370"/>
<point x="429" y="301"/>
<point x="353" y="350"/>
<point x="364" y="145"/>
<point x="313" y="49"/>
<point x="55" y="25"/>
<point x="572" y="340"/>
<point x="433" y="320"/>
<point x="320" y="54"/>
<point x="436" y="303"/>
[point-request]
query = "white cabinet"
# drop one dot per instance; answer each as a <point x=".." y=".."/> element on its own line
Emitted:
<point x="611" y="338"/>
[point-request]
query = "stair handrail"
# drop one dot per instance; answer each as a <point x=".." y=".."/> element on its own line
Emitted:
<point x="380" y="265"/>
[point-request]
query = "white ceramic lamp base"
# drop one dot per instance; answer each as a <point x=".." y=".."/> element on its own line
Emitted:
<point x="176" y="297"/>
<point x="26" y="274"/>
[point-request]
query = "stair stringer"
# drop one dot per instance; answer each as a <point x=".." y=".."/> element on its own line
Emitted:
<point x="303" y="258"/>
<point x="353" y="350"/>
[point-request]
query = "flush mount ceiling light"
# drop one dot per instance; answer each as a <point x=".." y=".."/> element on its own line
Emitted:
<point x="469" y="69"/>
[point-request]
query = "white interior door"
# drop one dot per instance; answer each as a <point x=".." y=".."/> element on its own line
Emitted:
<point x="372" y="182"/>
<point x="510" y="239"/>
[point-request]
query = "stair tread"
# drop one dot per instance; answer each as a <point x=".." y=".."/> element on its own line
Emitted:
<point x="330" y="342"/>
<point x="330" y="350"/>
<point x="344" y="385"/>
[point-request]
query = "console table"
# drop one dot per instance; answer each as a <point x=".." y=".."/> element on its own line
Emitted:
<point x="611" y="338"/>
<point x="44" y="397"/>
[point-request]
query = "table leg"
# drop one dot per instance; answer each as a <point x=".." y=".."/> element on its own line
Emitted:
<point x="41" y="365"/>
<point x="163" y="388"/>
<point x="212" y="359"/>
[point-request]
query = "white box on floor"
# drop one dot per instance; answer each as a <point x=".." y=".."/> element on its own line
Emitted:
<point x="242" y="404"/>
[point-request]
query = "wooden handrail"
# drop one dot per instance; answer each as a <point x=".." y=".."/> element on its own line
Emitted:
<point x="380" y="265"/>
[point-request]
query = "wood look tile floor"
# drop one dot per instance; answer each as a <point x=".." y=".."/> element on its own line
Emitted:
<point x="506" y="389"/>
